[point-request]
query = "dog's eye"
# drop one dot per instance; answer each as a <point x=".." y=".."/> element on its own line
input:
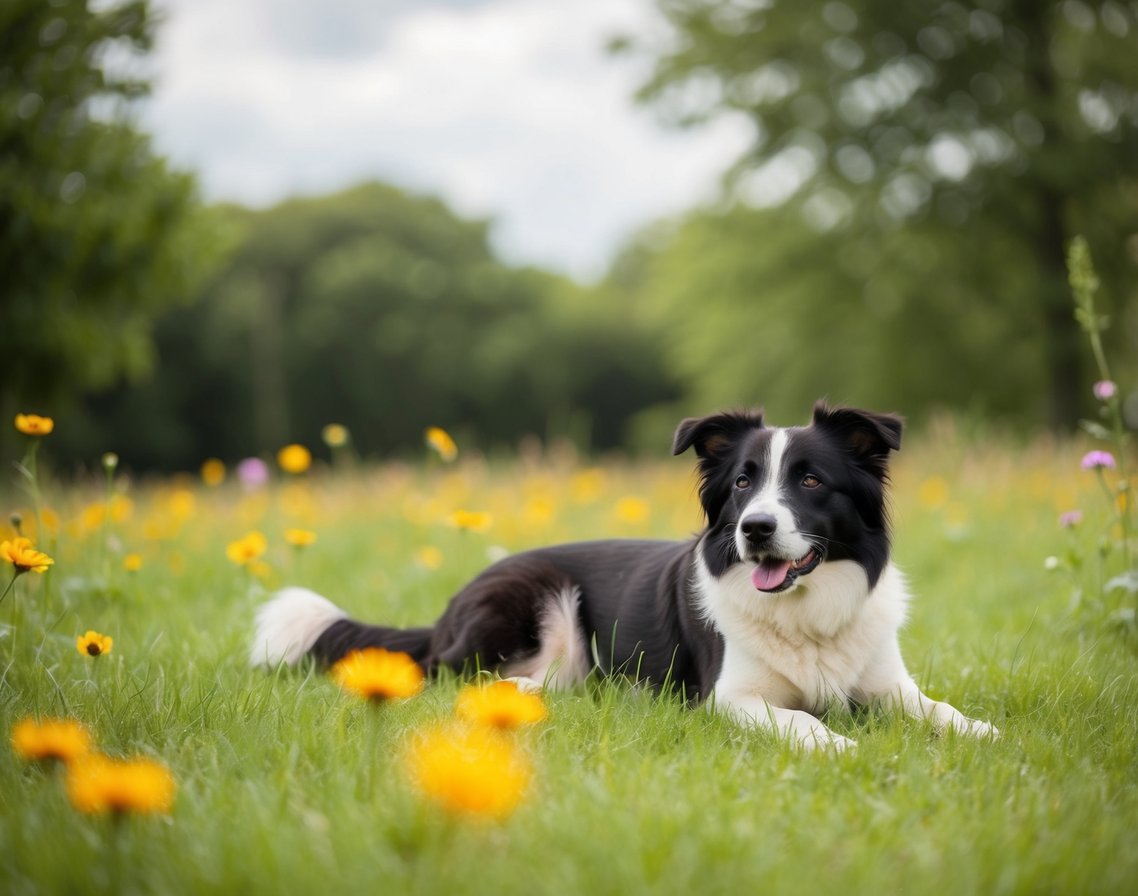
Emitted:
<point x="743" y="482"/>
<point x="811" y="481"/>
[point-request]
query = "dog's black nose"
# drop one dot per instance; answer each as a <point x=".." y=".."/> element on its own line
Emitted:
<point x="758" y="527"/>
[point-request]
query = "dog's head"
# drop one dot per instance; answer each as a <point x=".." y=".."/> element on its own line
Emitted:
<point x="783" y="501"/>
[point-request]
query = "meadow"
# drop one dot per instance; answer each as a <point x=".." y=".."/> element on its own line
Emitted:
<point x="287" y="784"/>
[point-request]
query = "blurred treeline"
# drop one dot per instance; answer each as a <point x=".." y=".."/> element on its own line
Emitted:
<point x="894" y="238"/>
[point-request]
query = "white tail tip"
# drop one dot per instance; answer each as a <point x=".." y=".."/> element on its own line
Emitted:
<point x="289" y="624"/>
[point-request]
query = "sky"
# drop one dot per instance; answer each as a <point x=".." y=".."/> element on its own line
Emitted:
<point x="510" y="110"/>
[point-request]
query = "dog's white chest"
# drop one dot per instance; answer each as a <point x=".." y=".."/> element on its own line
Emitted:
<point x="809" y="647"/>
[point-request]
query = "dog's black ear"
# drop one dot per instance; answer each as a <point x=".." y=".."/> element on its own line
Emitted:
<point x="869" y="436"/>
<point x="710" y="435"/>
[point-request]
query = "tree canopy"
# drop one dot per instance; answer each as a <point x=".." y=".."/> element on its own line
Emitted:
<point x="915" y="173"/>
<point x="97" y="234"/>
<point x="382" y="311"/>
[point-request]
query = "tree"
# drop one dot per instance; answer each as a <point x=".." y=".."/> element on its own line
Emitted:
<point x="382" y="311"/>
<point x="97" y="235"/>
<point x="948" y="140"/>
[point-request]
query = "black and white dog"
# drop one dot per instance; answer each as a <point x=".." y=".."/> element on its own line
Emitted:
<point x="785" y="605"/>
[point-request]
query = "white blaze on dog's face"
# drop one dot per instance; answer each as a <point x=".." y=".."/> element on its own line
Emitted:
<point x="783" y="501"/>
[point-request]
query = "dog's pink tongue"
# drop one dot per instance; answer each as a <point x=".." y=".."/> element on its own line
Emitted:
<point x="769" y="574"/>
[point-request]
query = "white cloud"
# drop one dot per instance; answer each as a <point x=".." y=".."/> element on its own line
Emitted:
<point x="508" y="109"/>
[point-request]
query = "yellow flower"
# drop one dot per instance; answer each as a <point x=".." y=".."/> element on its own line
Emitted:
<point x="429" y="557"/>
<point x="441" y="443"/>
<point x="94" y="644"/>
<point x="213" y="472"/>
<point x="20" y="553"/>
<point x="59" y="739"/>
<point x="378" y="674"/>
<point x="474" y="520"/>
<point x="933" y="493"/>
<point x="472" y="771"/>
<point x="34" y="425"/>
<point x="499" y="705"/>
<point x="97" y="784"/>
<point x="294" y="459"/>
<point x="132" y="562"/>
<point x="247" y="548"/>
<point x="631" y="509"/>
<point x="299" y="538"/>
<point x="335" y="435"/>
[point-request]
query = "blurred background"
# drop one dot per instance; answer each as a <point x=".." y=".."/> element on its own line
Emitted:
<point x="226" y="225"/>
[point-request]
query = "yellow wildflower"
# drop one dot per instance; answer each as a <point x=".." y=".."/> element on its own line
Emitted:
<point x="378" y="674"/>
<point x="933" y="493"/>
<point x="439" y="441"/>
<point x="62" y="740"/>
<point x="299" y="538"/>
<point x="132" y="562"/>
<point x="294" y="459"/>
<point x="34" y="425"/>
<point x="429" y="557"/>
<point x="473" y="520"/>
<point x="632" y="510"/>
<point x="247" y="548"/>
<point x="213" y="472"/>
<point x="94" y="644"/>
<point x="20" y="553"/>
<point x="469" y="770"/>
<point x="499" y="705"/>
<point x="97" y="784"/>
<point x="335" y="435"/>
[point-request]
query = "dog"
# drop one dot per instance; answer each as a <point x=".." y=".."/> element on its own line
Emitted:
<point x="785" y="605"/>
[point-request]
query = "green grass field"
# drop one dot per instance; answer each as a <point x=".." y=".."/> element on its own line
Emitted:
<point x="288" y="785"/>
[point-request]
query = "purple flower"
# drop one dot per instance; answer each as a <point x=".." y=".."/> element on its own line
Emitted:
<point x="1105" y="390"/>
<point x="253" y="473"/>
<point x="1070" y="519"/>
<point x="1098" y="460"/>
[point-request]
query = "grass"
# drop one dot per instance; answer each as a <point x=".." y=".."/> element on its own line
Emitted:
<point x="288" y="786"/>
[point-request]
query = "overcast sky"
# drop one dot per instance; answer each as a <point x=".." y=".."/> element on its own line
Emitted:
<point x="508" y="109"/>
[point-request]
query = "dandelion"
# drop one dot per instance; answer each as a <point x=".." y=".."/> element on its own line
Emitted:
<point x="1105" y="390"/>
<point x="500" y="705"/>
<point x="97" y="784"/>
<point x="429" y="557"/>
<point x="471" y="771"/>
<point x="378" y="674"/>
<point x="1070" y="519"/>
<point x="440" y="441"/>
<point x="335" y="435"/>
<point x="299" y="538"/>
<point x="213" y="472"/>
<point x="294" y="459"/>
<point x="471" y="520"/>
<point x="20" y="553"/>
<point x="34" y="425"/>
<point x="132" y="562"/>
<point x="58" y="740"/>
<point x="1098" y="460"/>
<point x="632" y="510"/>
<point x="94" y="644"/>
<point x="933" y="493"/>
<point x="247" y="548"/>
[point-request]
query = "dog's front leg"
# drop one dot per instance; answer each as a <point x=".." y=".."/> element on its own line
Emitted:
<point x="889" y="684"/>
<point x="943" y="716"/>
<point x="796" y="726"/>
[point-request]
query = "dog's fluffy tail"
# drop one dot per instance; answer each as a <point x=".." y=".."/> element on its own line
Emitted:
<point x="298" y="623"/>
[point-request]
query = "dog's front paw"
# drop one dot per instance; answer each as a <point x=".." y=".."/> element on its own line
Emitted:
<point x="819" y="737"/>
<point x="976" y="728"/>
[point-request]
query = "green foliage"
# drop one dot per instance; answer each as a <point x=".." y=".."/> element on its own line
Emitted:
<point x="915" y="173"/>
<point x="384" y="312"/>
<point x="97" y="235"/>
